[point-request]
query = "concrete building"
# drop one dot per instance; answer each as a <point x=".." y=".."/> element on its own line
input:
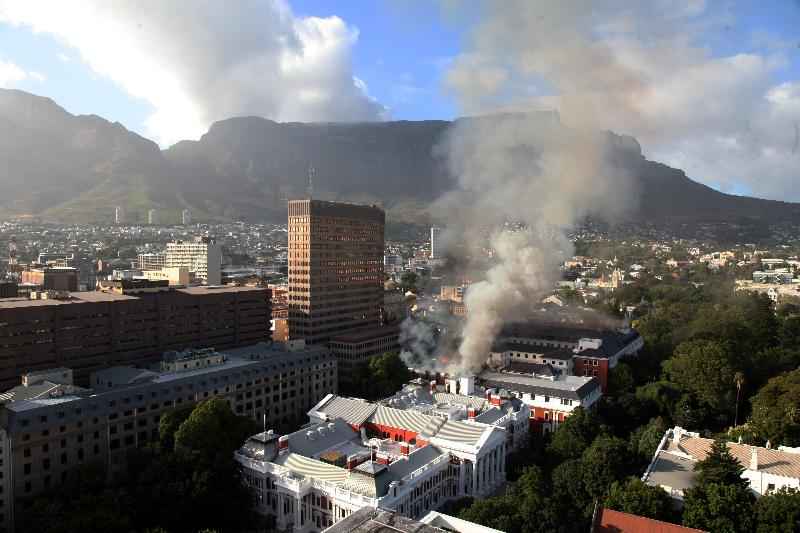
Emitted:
<point x="130" y="322"/>
<point x="203" y="256"/>
<point x="577" y="350"/>
<point x="119" y="215"/>
<point x="8" y="289"/>
<point x="335" y="268"/>
<point x="389" y="455"/>
<point x="186" y="217"/>
<point x="178" y="276"/>
<point x="358" y="347"/>
<point x="50" y="426"/>
<point x="766" y="469"/>
<point x="550" y="394"/>
<point x="52" y="278"/>
<point x="151" y="261"/>
<point x="152" y="217"/>
<point x="436" y="244"/>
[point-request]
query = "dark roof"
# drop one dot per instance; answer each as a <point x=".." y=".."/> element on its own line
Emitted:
<point x="538" y="369"/>
<point x="571" y="387"/>
<point x="613" y="341"/>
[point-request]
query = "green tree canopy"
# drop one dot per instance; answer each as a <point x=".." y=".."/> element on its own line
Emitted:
<point x="212" y="429"/>
<point x="706" y="369"/>
<point x="776" y="410"/>
<point x="636" y="497"/>
<point x="778" y="512"/>
<point x="604" y="462"/>
<point x="720" y="467"/>
<point x="575" y="434"/>
<point x="719" y="508"/>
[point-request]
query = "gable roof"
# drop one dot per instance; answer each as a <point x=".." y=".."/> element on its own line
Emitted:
<point x="351" y="410"/>
<point x="610" y="521"/>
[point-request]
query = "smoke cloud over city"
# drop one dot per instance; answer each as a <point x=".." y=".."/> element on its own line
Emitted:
<point x="529" y="175"/>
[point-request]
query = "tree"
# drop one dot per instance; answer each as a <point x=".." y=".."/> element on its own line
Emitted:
<point x="738" y="378"/>
<point x="645" y="439"/>
<point x="169" y="423"/>
<point x="776" y="410"/>
<point x="212" y="429"/>
<point x="719" y="508"/>
<point x="778" y="512"/>
<point x="499" y="512"/>
<point x="575" y="434"/>
<point x="704" y="368"/>
<point x="636" y="497"/>
<point x="569" y="494"/>
<point x="605" y="461"/>
<point x="720" y="467"/>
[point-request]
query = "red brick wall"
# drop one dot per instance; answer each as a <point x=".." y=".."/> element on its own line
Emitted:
<point x="601" y="370"/>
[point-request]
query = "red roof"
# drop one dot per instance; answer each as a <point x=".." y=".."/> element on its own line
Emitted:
<point x="610" y="521"/>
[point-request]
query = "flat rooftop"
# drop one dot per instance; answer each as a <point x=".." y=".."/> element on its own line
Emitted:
<point x="575" y="387"/>
<point x="101" y="296"/>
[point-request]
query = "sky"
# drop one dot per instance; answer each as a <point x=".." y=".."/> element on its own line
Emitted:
<point x="712" y="87"/>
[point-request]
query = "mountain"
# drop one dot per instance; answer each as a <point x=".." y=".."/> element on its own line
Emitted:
<point x="63" y="167"/>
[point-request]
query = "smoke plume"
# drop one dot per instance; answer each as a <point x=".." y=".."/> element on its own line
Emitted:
<point x="528" y="175"/>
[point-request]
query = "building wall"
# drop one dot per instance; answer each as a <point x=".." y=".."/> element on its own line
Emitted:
<point x="335" y="268"/>
<point x="88" y="335"/>
<point x="598" y="368"/>
<point x="45" y="444"/>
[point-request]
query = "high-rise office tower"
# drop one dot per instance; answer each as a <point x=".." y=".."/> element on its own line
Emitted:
<point x="203" y="256"/>
<point x="119" y="215"/>
<point x="152" y="217"/>
<point x="335" y="268"/>
<point x="186" y="217"/>
<point x="436" y="244"/>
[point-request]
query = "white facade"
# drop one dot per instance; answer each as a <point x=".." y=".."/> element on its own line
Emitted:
<point x="766" y="469"/>
<point x="314" y="477"/>
<point x="186" y="217"/>
<point x="119" y="215"/>
<point x="203" y="256"/>
<point x="152" y="216"/>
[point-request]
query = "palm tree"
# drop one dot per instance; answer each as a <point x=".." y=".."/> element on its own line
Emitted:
<point x="738" y="378"/>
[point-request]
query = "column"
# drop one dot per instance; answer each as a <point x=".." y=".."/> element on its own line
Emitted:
<point x="475" y="478"/>
<point x="298" y="505"/>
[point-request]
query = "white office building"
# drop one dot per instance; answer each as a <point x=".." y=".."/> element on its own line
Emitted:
<point x="203" y="256"/>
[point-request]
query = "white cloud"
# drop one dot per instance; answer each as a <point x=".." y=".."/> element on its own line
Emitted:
<point x="11" y="74"/>
<point x="198" y="62"/>
<point x="647" y="71"/>
<point x="64" y="58"/>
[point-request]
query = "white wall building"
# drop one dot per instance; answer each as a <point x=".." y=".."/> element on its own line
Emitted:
<point x="203" y="256"/>
<point x="766" y="469"/>
<point x="401" y="454"/>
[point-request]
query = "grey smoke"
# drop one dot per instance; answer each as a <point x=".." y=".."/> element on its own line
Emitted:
<point x="542" y="170"/>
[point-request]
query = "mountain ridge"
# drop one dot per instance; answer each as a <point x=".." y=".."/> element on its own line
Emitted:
<point x="76" y="168"/>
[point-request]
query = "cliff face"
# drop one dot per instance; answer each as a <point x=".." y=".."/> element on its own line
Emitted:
<point x="77" y="168"/>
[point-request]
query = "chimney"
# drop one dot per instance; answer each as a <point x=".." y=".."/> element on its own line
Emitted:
<point x="283" y="444"/>
<point x="352" y="461"/>
<point x="404" y="448"/>
<point x="471" y="413"/>
<point x="677" y="433"/>
<point x="754" y="458"/>
<point x="433" y="386"/>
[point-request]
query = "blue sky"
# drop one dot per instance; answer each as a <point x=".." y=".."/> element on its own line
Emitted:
<point x="403" y="52"/>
